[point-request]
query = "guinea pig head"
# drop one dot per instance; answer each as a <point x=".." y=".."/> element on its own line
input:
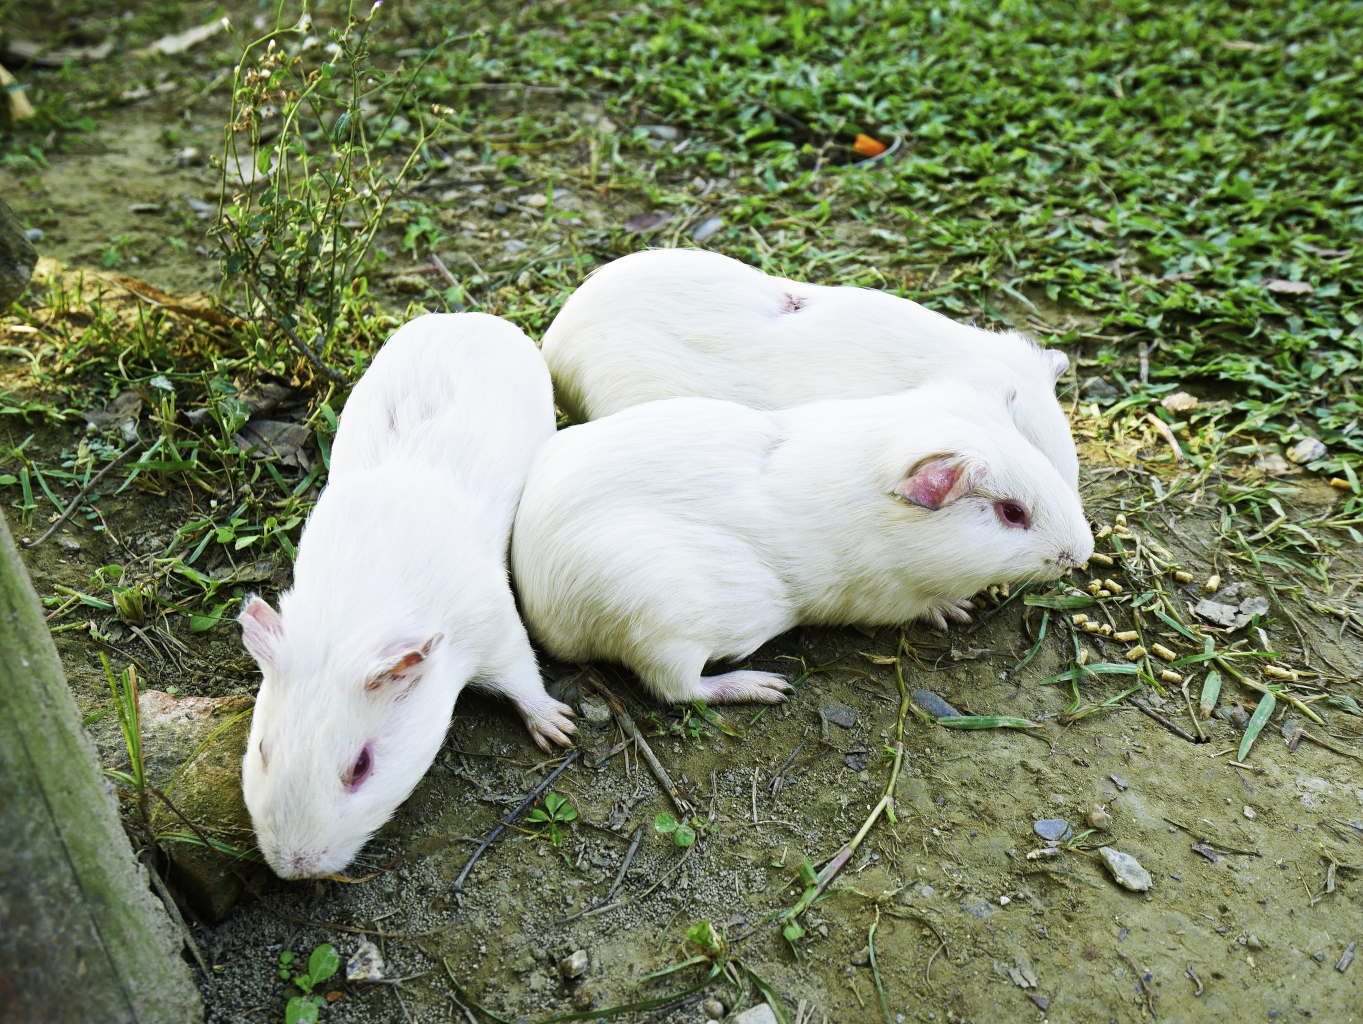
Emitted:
<point x="999" y="510"/>
<point x="340" y="736"/>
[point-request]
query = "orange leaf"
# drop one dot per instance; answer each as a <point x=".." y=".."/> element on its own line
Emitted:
<point x="868" y="146"/>
<point x="333" y="996"/>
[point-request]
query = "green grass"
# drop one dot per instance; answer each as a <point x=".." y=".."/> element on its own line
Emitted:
<point x="1146" y="166"/>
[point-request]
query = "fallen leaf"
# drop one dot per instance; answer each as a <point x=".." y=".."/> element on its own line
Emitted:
<point x="867" y="146"/>
<point x="1289" y="287"/>
<point x="182" y="41"/>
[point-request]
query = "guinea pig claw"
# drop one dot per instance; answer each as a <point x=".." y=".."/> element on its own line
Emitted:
<point x="955" y="609"/>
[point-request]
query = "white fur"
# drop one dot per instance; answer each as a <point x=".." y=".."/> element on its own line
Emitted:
<point x="403" y="561"/>
<point x="689" y="530"/>
<point x="669" y="323"/>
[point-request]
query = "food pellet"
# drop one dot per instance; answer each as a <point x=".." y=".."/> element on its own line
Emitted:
<point x="1170" y="677"/>
<point x="1113" y="586"/>
<point x="1103" y="593"/>
<point x="1212" y="585"/>
<point x="1102" y="533"/>
<point x="1092" y="627"/>
<point x="1274" y="672"/>
<point x="1079" y="618"/>
<point x="1183" y="576"/>
<point x="1100" y="558"/>
<point x="1095" y="586"/>
<point x="1126" y="635"/>
<point x="1120" y="521"/>
<point x="1135" y="654"/>
<point x="1164" y="652"/>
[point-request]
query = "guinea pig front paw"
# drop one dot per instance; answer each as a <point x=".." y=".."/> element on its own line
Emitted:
<point x="549" y="723"/>
<point x="957" y="609"/>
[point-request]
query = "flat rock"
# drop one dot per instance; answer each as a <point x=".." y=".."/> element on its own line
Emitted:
<point x="1053" y="830"/>
<point x="759" y="1014"/>
<point x="839" y="714"/>
<point x="1097" y="387"/>
<point x="17" y="257"/>
<point x="977" y="907"/>
<point x="192" y="749"/>
<point x="1126" y="870"/>
<point x="366" y="964"/>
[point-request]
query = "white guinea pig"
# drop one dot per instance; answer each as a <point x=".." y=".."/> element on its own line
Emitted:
<point x="400" y="594"/>
<point x="689" y="530"/>
<point x="670" y="323"/>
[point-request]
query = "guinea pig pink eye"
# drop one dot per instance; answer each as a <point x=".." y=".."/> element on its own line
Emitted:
<point x="359" y="771"/>
<point x="1011" y="513"/>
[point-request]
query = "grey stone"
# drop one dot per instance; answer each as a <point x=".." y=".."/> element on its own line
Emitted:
<point x="595" y="711"/>
<point x="713" y="1008"/>
<point x="1097" y="387"/>
<point x="1308" y="449"/>
<point x="68" y="544"/>
<point x="1022" y="973"/>
<point x="1126" y="869"/>
<point x="977" y="907"/>
<point x="366" y="964"/>
<point x="839" y="714"/>
<point x="933" y="704"/>
<point x="1054" y="830"/>
<point x="574" y="966"/>
<point x="759" y="1014"/>
<point x="1254" y="943"/>
<point x="661" y="131"/>
<point x="706" y="228"/>
<point x="17" y="257"/>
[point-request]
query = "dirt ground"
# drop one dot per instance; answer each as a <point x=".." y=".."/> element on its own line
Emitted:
<point x="968" y="929"/>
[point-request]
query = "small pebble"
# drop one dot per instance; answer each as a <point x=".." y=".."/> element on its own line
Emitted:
<point x="1318" y="957"/>
<point x="34" y="234"/>
<point x="1249" y="811"/>
<point x="68" y="544"/>
<point x="1004" y="901"/>
<point x="863" y="958"/>
<point x="1253" y="943"/>
<point x="1126" y="869"/>
<point x="583" y="999"/>
<point x="1099" y="818"/>
<point x="573" y="966"/>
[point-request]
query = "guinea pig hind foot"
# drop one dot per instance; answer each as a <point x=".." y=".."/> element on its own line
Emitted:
<point x="742" y="687"/>
<point x="549" y="722"/>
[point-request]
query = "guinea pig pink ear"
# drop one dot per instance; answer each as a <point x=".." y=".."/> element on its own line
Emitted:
<point x="400" y="668"/>
<point x="939" y="480"/>
<point x="262" y="631"/>
<point x="1056" y="360"/>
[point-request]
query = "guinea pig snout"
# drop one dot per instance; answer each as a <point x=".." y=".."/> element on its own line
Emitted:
<point x="292" y="865"/>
